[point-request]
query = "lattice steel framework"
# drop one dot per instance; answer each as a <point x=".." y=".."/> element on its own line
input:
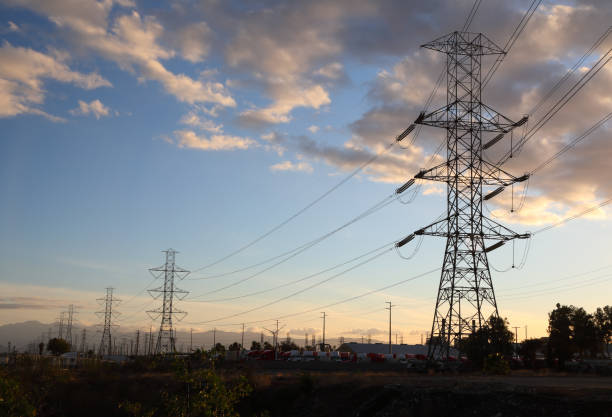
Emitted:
<point x="70" y="314"/>
<point x="106" y="344"/>
<point x="166" y="342"/>
<point x="466" y="298"/>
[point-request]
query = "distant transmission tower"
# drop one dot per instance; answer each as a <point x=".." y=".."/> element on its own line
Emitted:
<point x="70" y="314"/>
<point x="466" y="298"/>
<point x="61" y="320"/>
<point x="166" y="342"/>
<point x="106" y="343"/>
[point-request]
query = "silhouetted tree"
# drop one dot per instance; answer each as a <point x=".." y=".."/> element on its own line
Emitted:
<point x="234" y="346"/>
<point x="494" y="338"/>
<point x="603" y="321"/>
<point x="255" y="345"/>
<point x="528" y="350"/>
<point x="560" y="334"/>
<point x="41" y="348"/>
<point x="287" y="345"/>
<point x="219" y="348"/>
<point x="267" y="346"/>
<point x="58" y="346"/>
<point x="585" y="335"/>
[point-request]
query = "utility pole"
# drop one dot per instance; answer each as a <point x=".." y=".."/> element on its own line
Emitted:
<point x="137" y="341"/>
<point x="275" y="338"/>
<point x="214" y="337"/>
<point x="84" y="340"/>
<point x="525" y="332"/>
<point x="389" y="308"/>
<point x="106" y="345"/>
<point x="191" y="340"/>
<point x="242" y="339"/>
<point x="465" y="292"/>
<point x="516" y="334"/>
<point x="61" y="325"/>
<point x="323" y="317"/>
<point x="166" y="342"/>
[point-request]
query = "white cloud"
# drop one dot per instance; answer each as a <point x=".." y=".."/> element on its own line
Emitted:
<point x="189" y="139"/>
<point x="131" y="42"/>
<point x="22" y="71"/>
<point x="192" y="119"/>
<point x="194" y="41"/>
<point x="286" y="98"/>
<point x="290" y="166"/>
<point x="94" y="107"/>
<point x="313" y="129"/>
<point x="334" y="70"/>
<point x="12" y="27"/>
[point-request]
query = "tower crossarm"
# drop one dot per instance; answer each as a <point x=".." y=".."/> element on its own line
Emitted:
<point x="466" y="43"/>
<point x="496" y="231"/>
<point x="438" y="173"/>
<point x="491" y="230"/>
<point x="494" y="175"/>
<point x="460" y="115"/>
<point x="488" y="175"/>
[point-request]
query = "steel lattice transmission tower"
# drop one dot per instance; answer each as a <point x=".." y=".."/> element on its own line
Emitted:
<point x="169" y="271"/>
<point x="106" y="345"/>
<point x="466" y="298"/>
<point x="70" y="314"/>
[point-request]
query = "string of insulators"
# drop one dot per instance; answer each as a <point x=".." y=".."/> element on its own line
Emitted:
<point x="495" y="246"/>
<point x="521" y="122"/>
<point x="493" y="141"/>
<point x="493" y="193"/>
<point x="405" y="132"/>
<point x="404" y="240"/>
<point x="420" y="118"/>
<point x="522" y="178"/>
<point x="405" y="186"/>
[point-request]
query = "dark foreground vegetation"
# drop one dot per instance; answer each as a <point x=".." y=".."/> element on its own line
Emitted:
<point x="567" y="374"/>
<point x="194" y="386"/>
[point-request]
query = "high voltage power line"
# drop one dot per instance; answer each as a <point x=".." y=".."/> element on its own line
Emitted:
<point x="510" y="42"/>
<point x="577" y="87"/>
<point x="395" y="284"/>
<point x="376" y="207"/>
<point x="572" y="143"/>
<point x="466" y="25"/>
<point x="571" y="71"/>
<point x="294" y="252"/>
<point x="299" y="212"/>
<point x="294" y="281"/>
<point x="305" y="246"/>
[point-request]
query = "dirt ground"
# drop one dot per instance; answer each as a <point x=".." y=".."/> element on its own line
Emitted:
<point x="382" y="392"/>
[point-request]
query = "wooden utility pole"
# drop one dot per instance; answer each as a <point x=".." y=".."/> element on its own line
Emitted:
<point x="389" y="308"/>
<point x="323" y="317"/>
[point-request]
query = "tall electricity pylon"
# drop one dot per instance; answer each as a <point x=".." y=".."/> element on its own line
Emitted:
<point x="165" y="339"/>
<point x="60" y="321"/>
<point x="466" y="298"/>
<point x="70" y="314"/>
<point x="106" y="345"/>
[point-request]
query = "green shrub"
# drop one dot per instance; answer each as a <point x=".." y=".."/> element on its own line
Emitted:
<point x="13" y="401"/>
<point x="495" y="364"/>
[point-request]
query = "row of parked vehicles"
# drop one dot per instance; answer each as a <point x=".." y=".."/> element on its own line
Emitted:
<point x="308" y="355"/>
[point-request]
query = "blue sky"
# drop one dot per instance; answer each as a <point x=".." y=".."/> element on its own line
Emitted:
<point x="128" y="130"/>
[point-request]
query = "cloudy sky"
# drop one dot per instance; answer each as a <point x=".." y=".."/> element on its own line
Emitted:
<point x="199" y="125"/>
